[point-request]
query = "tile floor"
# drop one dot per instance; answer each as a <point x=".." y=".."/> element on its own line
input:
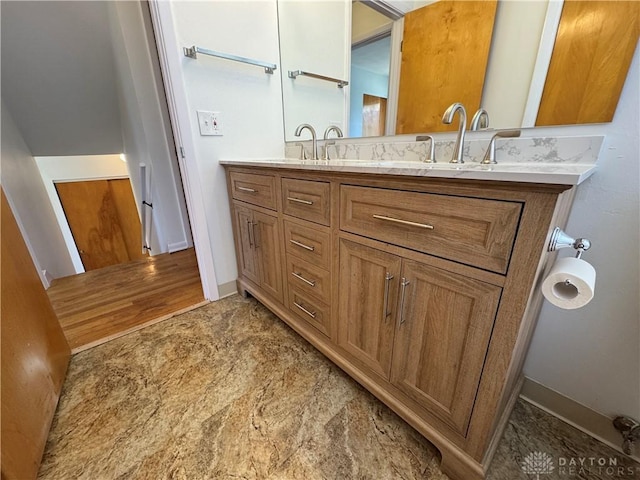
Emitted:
<point x="229" y="391"/>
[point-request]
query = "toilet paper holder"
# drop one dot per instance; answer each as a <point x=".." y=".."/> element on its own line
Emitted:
<point x="559" y="240"/>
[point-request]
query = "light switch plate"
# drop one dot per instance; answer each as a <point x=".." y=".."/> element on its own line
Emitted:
<point x="210" y="123"/>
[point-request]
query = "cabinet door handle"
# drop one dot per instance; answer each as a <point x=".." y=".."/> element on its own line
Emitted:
<point x="404" y="222"/>
<point x="306" y="247"/>
<point x="249" y="231"/>
<point x="385" y="312"/>
<point x="403" y="284"/>
<point x="255" y="242"/>
<point x="300" y="277"/>
<point x="247" y="189"/>
<point x="311" y="314"/>
<point x="299" y="200"/>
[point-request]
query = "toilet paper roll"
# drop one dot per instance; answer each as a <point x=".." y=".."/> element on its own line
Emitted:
<point x="570" y="283"/>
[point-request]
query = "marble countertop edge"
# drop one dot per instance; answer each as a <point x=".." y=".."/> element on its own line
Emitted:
<point x="550" y="173"/>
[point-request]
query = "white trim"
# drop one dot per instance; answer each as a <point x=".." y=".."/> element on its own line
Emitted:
<point x="170" y="55"/>
<point x="228" y="289"/>
<point x="397" y="32"/>
<point x="588" y="421"/>
<point x="543" y="60"/>
<point x="347" y="69"/>
<point x="177" y="246"/>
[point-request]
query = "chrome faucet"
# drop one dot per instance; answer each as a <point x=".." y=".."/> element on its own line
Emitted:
<point x="329" y="129"/>
<point x="314" y="141"/>
<point x="490" y="156"/>
<point x="447" y="118"/>
<point x="480" y="120"/>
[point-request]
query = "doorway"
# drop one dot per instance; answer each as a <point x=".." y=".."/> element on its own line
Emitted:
<point x="100" y="92"/>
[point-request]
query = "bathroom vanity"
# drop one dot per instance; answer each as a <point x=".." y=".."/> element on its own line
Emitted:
<point x="421" y="282"/>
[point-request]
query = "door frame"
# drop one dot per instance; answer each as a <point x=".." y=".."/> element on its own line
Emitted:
<point x="169" y="54"/>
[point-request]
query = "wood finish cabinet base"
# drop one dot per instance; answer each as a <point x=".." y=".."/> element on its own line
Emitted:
<point x="359" y="266"/>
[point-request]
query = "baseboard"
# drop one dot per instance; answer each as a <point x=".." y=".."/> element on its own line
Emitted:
<point x="176" y="247"/>
<point x="227" y="289"/>
<point x="593" y="423"/>
<point x="47" y="278"/>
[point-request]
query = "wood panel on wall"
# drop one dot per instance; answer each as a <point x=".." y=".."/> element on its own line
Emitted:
<point x="104" y="221"/>
<point x="591" y="57"/>
<point x="35" y="356"/>
<point x="454" y="37"/>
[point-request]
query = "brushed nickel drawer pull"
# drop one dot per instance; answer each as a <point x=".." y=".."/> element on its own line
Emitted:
<point x="299" y="200"/>
<point x="300" y="277"/>
<point x="255" y="242"/>
<point x="403" y="284"/>
<point x="249" y="231"/>
<point x="311" y="314"/>
<point x="404" y="222"/>
<point x="247" y="189"/>
<point x="306" y="247"/>
<point x="385" y="312"/>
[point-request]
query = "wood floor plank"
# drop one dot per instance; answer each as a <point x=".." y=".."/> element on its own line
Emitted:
<point x="103" y="304"/>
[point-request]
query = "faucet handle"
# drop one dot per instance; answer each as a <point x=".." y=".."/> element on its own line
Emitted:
<point x="303" y="152"/>
<point x="490" y="155"/>
<point x="431" y="156"/>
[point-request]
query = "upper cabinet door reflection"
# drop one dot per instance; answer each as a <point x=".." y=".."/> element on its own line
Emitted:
<point x="314" y="38"/>
<point x="445" y="50"/>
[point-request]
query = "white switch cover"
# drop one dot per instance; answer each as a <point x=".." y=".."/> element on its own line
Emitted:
<point x="210" y="123"/>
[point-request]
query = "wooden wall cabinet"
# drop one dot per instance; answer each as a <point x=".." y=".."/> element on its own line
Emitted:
<point x="423" y="290"/>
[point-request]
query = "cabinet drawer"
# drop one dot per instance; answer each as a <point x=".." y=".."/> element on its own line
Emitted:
<point x="473" y="231"/>
<point x="254" y="188"/>
<point x="310" y="310"/>
<point x="307" y="199"/>
<point x="310" y="244"/>
<point x="308" y="278"/>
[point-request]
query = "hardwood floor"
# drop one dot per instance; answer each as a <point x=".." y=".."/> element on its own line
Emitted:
<point x="100" y="305"/>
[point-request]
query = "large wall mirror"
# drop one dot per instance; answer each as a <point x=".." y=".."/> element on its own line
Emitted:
<point x="386" y="67"/>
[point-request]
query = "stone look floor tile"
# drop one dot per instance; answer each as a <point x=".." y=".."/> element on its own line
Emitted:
<point x="229" y="391"/>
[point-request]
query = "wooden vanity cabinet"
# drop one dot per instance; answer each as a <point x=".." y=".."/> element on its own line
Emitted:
<point x="443" y="325"/>
<point x="258" y="241"/>
<point x="368" y="293"/>
<point x="423" y="290"/>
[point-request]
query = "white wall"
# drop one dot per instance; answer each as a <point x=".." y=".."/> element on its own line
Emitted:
<point x="314" y="37"/>
<point x="363" y="81"/>
<point x="249" y="101"/>
<point x="512" y="58"/>
<point x="28" y="198"/>
<point x="592" y="354"/>
<point x="147" y="134"/>
<point x="76" y="168"/>
<point x="58" y="77"/>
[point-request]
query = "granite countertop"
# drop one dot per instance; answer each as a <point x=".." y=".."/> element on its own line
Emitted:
<point x="536" y="172"/>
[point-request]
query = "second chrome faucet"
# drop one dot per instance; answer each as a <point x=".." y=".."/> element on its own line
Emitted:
<point x="314" y="139"/>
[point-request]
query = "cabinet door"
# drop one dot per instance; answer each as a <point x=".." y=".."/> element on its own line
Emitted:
<point x="266" y="240"/>
<point x="246" y="254"/>
<point x="444" y="325"/>
<point x="368" y="293"/>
